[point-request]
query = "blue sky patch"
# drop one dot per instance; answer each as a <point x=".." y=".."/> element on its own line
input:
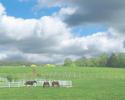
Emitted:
<point x="26" y="9"/>
<point x="88" y="30"/>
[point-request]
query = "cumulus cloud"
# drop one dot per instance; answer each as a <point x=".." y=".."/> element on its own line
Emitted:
<point x="2" y="9"/>
<point x="65" y="11"/>
<point x="3" y="56"/>
<point x="107" y="12"/>
<point x="49" y="39"/>
<point x="94" y="44"/>
<point x="17" y="28"/>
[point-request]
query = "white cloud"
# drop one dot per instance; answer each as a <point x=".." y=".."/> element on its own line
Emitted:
<point x="49" y="39"/>
<point x="94" y="44"/>
<point x="52" y="27"/>
<point x="2" y="9"/>
<point x="64" y="11"/>
<point x="17" y="28"/>
<point x="3" y="56"/>
<point x="67" y="11"/>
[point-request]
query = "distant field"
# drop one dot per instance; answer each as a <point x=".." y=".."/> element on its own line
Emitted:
<point x="88" y="84"/>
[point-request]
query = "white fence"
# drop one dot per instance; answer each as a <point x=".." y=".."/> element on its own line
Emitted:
<point x="62" y="83"/>
<point x="11" y="84"/>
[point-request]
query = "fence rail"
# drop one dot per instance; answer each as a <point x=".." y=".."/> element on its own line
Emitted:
<point x="62" y="83"/>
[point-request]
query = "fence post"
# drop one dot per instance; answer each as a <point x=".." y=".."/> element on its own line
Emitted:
<point x="9" y="84"/>
<point x="35" y="84"/>
<point x="18" y="84"/>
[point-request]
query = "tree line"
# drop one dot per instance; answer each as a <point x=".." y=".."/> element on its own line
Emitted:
<point x="103" y="60"/>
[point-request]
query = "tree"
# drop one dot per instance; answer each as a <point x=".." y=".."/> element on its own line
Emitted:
<point x="81" y="62"/>
<point x="112" y="60"/>
<point x="121" y="58"/>
<point x="68" y="62"/>
<point x="102" y="60"/>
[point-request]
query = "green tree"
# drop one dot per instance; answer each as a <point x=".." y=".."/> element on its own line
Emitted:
<point x="121" y="60"/>
<point x="68" y="62"/>
<point x="113" y="60"/>
<point x="81" y="62"/>
<point x="102" y="60"/>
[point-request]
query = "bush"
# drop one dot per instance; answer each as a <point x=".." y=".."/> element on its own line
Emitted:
<point x="9" y="78"/>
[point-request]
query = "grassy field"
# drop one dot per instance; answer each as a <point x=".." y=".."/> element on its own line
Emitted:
<point x="88" y="84"/>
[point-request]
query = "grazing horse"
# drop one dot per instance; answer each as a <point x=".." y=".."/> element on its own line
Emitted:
<point x="55" y="84"/>
<point x="30" y="83"/>
<point x="46" y="84"/>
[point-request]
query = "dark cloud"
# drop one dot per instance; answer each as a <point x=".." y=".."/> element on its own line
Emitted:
<point x="107" y="12"/>
<point x="30" y="45"/>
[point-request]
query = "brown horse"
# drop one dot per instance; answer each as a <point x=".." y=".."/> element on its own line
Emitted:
<point x="55" y="84"/>
<point x="46" y="84"/>
<point x="31" y="83"/>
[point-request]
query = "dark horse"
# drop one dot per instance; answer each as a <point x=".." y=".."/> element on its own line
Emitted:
<point x="55" y="84"/>
<point x="46" y="84"/>
<point x="30" y="83"/>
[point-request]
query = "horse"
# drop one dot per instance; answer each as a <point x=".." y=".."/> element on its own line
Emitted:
<point x="55" y="84"/>
<point x="46" y="84"/>
<point x="31" y="83"/>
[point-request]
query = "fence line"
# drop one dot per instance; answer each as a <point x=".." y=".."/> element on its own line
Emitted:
<point x="62" y="83"/>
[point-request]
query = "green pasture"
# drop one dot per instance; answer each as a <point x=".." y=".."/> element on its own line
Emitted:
<point x="88" y="83"/>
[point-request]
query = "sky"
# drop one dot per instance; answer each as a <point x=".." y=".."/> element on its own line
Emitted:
<point x="48" y="31"/>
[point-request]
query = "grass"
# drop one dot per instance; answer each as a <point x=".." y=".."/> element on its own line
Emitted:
<point x="88" y="84"/>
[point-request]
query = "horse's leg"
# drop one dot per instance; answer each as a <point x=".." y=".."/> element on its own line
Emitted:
<point x="43" y="85"/>
<point x="48" y="85"/>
